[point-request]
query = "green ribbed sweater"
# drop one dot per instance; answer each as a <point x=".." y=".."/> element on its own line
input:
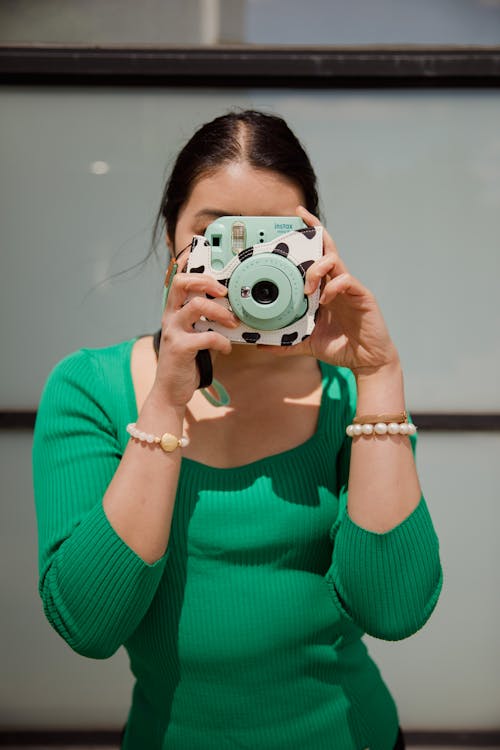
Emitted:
<point x="247" y="633"/>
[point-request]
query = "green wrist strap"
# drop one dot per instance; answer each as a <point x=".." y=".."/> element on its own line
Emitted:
<point x="221" y="397"/>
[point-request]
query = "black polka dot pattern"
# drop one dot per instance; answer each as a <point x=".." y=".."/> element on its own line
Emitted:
<point x="245" y="254"/>
<point x="304" y="266"/>
<point x="282" y="249"/>
<point x="251" y="337"/>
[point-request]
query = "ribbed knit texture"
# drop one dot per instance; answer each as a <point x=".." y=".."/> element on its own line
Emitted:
<point x="247" y="633"/>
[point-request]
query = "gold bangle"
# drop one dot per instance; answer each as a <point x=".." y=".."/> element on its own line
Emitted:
<point x="167" y="441"/>
<point x="398" y="418"/>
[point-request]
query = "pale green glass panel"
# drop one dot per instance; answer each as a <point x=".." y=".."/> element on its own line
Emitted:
<point x="271" y="22"/>
<point x="410" y="185"/>
<point x="44" y="683"/>
<point x="359" y="22"/>
<point x="444" y="677"/>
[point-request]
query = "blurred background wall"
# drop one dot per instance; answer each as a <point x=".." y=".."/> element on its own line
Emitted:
<point x="410" y="186"/>
<point x="272" y="22"/>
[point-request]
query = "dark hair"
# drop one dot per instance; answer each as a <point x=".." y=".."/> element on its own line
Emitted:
<point x="262" y="140"/>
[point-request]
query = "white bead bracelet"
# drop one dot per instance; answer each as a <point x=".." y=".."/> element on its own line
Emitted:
<point x="167" y="441"/>
<point x="381" y="428"/>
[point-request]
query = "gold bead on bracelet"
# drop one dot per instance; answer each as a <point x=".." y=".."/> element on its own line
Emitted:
<point x="167" y="441"/>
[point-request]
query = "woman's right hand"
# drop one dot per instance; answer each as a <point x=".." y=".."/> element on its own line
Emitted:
<point x="177" y="376"/>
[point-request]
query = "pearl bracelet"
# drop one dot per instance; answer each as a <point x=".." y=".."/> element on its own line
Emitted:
<point x="167" y="441"/>
<point x="381" y="428"/>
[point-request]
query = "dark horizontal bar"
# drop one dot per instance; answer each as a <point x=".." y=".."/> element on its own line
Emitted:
<point x="17" y="420"/>
<point x="463" y="421"/>
<point x="251" y="66"/>
<point x="428" y="421"/>
<point x="60" y="738"/>
<point x="450" y="738"/>
<point x="111" y="738"/>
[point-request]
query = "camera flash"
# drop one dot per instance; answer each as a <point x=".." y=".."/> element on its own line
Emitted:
<point x="238" y="237"/>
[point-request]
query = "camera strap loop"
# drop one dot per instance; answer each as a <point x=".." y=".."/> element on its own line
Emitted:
<point x="204" y="362"/>
<point x="221" y="397"/>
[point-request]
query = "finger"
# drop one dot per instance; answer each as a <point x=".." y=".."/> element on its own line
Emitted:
<point x="184" y="345"/>
<point x="196" y="283"/>
<point x="307" y="217"/>
<point x="199" y="307"/>
<point x="345" y="283"/>
<point x="211" y="340"/>
<point x="185" y="285"/>
<point x="317" y="271"/>
<point x="329" y="246"/>
<point x="327" y="265"/>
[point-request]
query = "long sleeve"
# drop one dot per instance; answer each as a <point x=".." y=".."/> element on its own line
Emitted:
<point x="388" y="584"/>
<point x="95" y="589"/>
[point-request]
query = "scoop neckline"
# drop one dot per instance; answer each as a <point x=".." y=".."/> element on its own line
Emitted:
<point x="251" y="465"/>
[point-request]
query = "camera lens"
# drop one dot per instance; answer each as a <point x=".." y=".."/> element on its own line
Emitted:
<point x="265" y="292"/>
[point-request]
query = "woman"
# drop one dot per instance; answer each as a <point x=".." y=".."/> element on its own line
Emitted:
<point x="232" y="566"/>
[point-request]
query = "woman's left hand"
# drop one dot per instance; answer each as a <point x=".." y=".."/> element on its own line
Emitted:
<point x="350" y="330"/>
